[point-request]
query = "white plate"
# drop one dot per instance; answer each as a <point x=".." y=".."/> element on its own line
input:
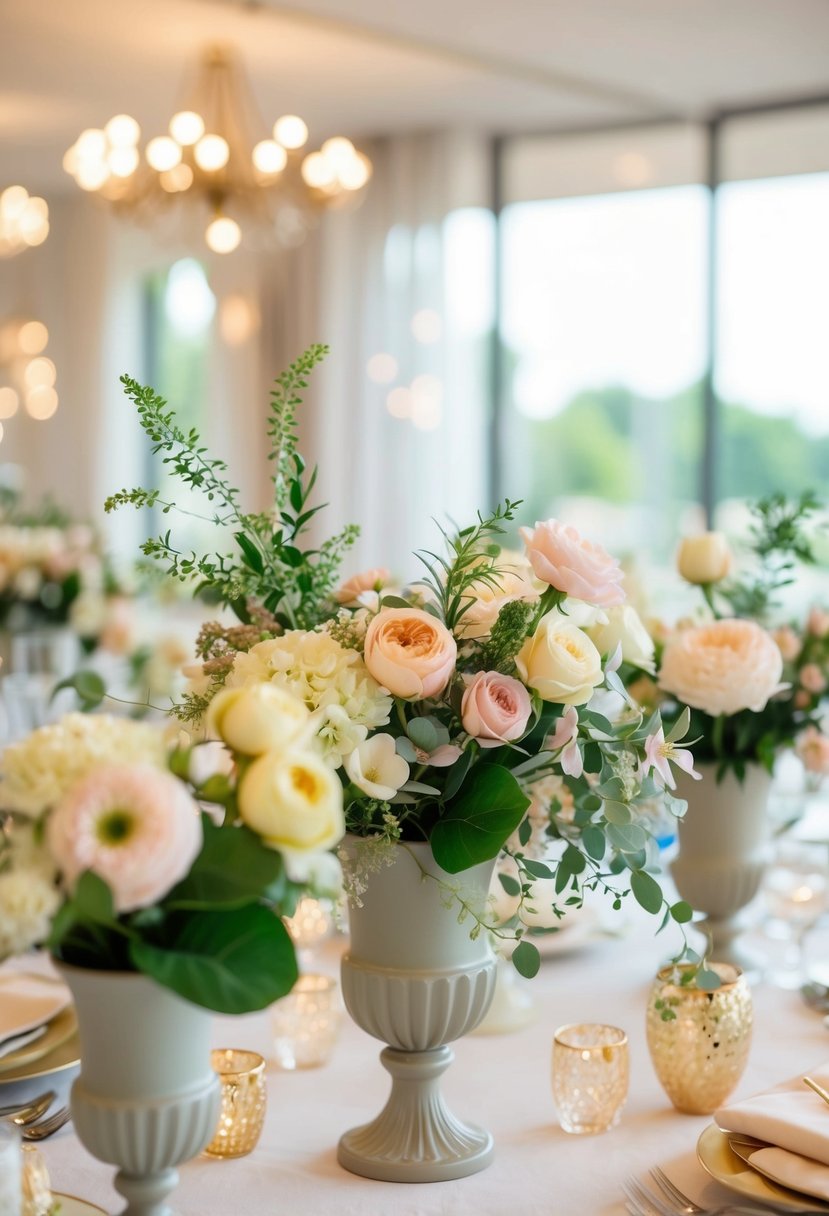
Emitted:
<point x="27" y="1001"/>
<point x="70" y="1205"/>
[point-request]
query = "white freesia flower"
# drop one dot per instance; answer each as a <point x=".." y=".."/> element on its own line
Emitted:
<point x="376" y="768"/>
<point x="336" y="734"/>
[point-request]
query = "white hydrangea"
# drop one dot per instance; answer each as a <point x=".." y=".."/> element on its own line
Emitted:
<point x="39" y="770"/>
<point x="28" y="901"/>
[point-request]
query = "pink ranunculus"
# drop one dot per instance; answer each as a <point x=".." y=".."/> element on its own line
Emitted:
<point x="495" y="709"/>
<point x="410" y="652"/>
<point x="133" y="825"/>
<point x="818" y="623"/>
<point x="812" y="678"/>
<point x="722" y="667"/>
<point x="369" y="580"/>
<point x="562" y="557"/>
<point x="813" y="749"/>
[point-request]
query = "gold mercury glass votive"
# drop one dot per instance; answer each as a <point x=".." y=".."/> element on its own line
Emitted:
<point x="312" y="922"/>
<point x="699" y="1040"/>
<point x="591" y="1070"/>
<point x="242" y="1074"/>
<point x="306" y="1022"/>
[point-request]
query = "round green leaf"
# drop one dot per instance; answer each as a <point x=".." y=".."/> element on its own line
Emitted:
<point x="526" y="960"/>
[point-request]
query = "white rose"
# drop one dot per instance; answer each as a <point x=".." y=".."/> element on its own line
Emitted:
<point x="560" y="662"/>
<point x="624" y="628"/>
<point x="258" y="718"/>
<point x="294" y="802"/>
<point x="704" y="559"/>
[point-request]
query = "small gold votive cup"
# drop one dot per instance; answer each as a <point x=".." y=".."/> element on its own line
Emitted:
<point x="306" y="1023"/>
<point x="244" y="1097"/>
<point x="591" y="1071"/>
<point x="698" y="1040"/>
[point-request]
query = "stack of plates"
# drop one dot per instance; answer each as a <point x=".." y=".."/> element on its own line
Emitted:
<point x="716" y="1152"/>
<point x="38" y="1011"/>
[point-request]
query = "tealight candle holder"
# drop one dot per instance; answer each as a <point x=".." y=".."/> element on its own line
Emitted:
<point x="11" y="1181"/>
<point x="311" y="924"/>
<point x="242" y="1074"/>
<point x="36" y="1186"/>
<point x="306" y="1022"/>
<point x="591" y="1070"/>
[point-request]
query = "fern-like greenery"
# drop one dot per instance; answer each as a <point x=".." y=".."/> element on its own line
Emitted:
<point x="270" y="567"/>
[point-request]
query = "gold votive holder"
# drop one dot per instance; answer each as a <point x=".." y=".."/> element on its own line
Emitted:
<point x="37" y="1190"/>
<point x="242" y="1074"/>
<point x="312" y="922"/>
<point x="698" y="1040"/>
<point x="591" y="1071"/>
<point x="306" y="1023"/>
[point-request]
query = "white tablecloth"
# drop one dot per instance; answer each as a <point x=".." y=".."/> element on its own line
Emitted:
<point x="501" y="1082"/>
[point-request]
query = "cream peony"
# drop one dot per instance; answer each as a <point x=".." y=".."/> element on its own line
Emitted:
<point x="722" y="667"/>
<point x="704" y="559"/>
<point x="495" y="708"/>
<point x="376" y="768"/>
<point x="258" y="718"/>
<point x="489" y="597"/>
<point x="560" y="662"/>
<point x="135" y="827"/>
<point x="410" y="652"/>
<point x="624" y="628"/>
<point x="295" y="803"/>
<point x="562" y="557"/>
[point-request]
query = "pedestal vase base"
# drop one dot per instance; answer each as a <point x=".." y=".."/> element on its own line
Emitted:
<point x="415" y="1138"/>
<point x="146" y="1195"/>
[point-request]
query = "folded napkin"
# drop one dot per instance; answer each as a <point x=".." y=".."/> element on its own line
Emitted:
<point x="28" y="1001"/>
<point x="794" y="1121"/>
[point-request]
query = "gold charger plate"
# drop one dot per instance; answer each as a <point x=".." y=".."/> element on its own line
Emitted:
<point x="61" y="1027"/>
<point x="66" y="1055"/>
<point x="717" y="1158"/>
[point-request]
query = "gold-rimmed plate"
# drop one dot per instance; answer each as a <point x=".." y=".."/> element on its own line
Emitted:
<point x="66" y="1055"/>
<point x="70" y="1205"/>
<point x="722" y="1163"/>
<point x="57" y="1032"/>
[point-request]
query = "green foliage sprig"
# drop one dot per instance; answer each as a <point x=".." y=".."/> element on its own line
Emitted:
<point x="779" y="542"/>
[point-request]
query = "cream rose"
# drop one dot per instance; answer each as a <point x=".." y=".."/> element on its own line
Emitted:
<point x="562" y="557"/>
<point x="560" y="662"/>
<point x="258" y="718"/>
<point x="723" y="667"/>
<point x="704" y="559"/>
<point x="295" y="802"/>
<point x="410" y="652"/>
<point x="489" y="597"/>
<point x="624" y="628"/>
<point x="495" y="709"/>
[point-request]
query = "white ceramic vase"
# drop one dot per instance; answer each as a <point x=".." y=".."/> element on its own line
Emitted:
<point x="723" y="854"/>
<point x="146" y="1098"/>
<point x="415" y="979"/>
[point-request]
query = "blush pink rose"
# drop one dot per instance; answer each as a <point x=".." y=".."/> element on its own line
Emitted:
<point x="410" y="652"/>
<point x="723" y="667"/>
<point x="812" y="678"/>
<point x="562" y="557"/>
<point x="495" y="709"/>
<point x="369" y="580"/>
<point x="818" y="624"/>
<point x="133" y="825"/>
<point x="813" y="749"/>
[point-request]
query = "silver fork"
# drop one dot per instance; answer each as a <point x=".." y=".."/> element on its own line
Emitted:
<point x="643" y="1202"/>
<point x="48" y="1127"/>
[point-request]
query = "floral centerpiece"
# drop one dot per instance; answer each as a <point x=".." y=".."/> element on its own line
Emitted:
<point x="442" y="704"/>
<point x="110" y="860"/>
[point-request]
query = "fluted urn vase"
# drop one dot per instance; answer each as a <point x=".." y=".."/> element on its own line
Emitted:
<point x="723" y="854"/>
<point x="146" y="1098"/>
<point x="414" y="978"/>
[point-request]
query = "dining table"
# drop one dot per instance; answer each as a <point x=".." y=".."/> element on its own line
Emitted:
<point x="501" y="1081"/>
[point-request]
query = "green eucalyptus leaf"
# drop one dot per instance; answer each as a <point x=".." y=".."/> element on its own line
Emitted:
<point x="682" y="912"/>
<point x="510" y="885"/>
<point x="617" y="812"/>
<point x="526" y="960"/>
<point x="422" y="733"/>
<point x="593" y="839"/>
<point x="646" y="891"/>
<point x="537" y="869"/>
<point x="627" y="837"/>
<point x="405" y="748"/>
<point x="707" y="980"/>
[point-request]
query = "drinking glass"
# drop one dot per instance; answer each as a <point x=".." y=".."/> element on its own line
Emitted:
<point x="591" y="1070"/>
<point x="40" y="658"/>
<point x="11" y="1171"/>
<point x="796" y="893"/>
<point x="306" y="1023"/>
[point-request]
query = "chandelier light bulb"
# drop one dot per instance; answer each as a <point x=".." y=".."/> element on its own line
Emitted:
<point x="211" y="153"/>
<point x="179" y="178"/>
<point x="269" y="157"/>
<point x="187" y="127"/>
<point x="122" y="131"/>
<point x="354" y="175"/>
<point x="162" y="153"/>
<point x="123" y="161"/>
<point x="32" y="337"/>
<point x="338" y="151"/>
<point x="91" y="175"/>
<point x="9" y="402"/>
<point x="13" y="202"/>
<point x="318" y="172"/>
<point x="290" y="131"/>
<point x="39" y="373"/>
<point x="91" y="145"/>
<point x="41" y="403"/>
<point x="223" y="234"/>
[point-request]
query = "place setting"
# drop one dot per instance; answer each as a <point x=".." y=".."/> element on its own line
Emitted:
<point x="38" y="1032"/>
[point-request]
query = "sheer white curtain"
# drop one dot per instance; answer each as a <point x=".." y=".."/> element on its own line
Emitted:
<point x="399" y="276"/>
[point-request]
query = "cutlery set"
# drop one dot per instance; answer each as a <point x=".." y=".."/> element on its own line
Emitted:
<point x="668" y="1200"/>
<point x="28" y="1117"/>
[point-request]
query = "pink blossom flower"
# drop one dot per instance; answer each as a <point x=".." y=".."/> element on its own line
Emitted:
<point x="562" y="557"/>
<point x="788" y="643"/>
<point x="818" y="623"/>
<point x="495" y="708"/>
<point x="565" y="738"/>
<point x="134" y="826"/>
<point x="441" y="757"/>
<point x="813" y="750"/>
<point x="660" y="754"/>
<point x="812" y="678"/>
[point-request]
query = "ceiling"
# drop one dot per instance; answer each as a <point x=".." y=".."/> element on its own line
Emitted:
<point x="367" y="67"/>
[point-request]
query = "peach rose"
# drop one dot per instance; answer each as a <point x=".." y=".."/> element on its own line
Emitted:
<point x="560" y="662"/>
<point x="813" y="750"/>
<point x="369" y="580"/>
<point x="495" y="709"/>
<point x="812" y="678"/>
<point x="818" y="624"/>
<point x="704" y="559"/>
<point x="562" y="557"/>
<point x="723" y="667"/>
<point x="788" y="643"/>
<point x="410" y="652"/>
<point x="489" y="597"/>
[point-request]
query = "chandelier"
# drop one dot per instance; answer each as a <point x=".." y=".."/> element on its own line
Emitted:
<point x="273" y="188"/>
